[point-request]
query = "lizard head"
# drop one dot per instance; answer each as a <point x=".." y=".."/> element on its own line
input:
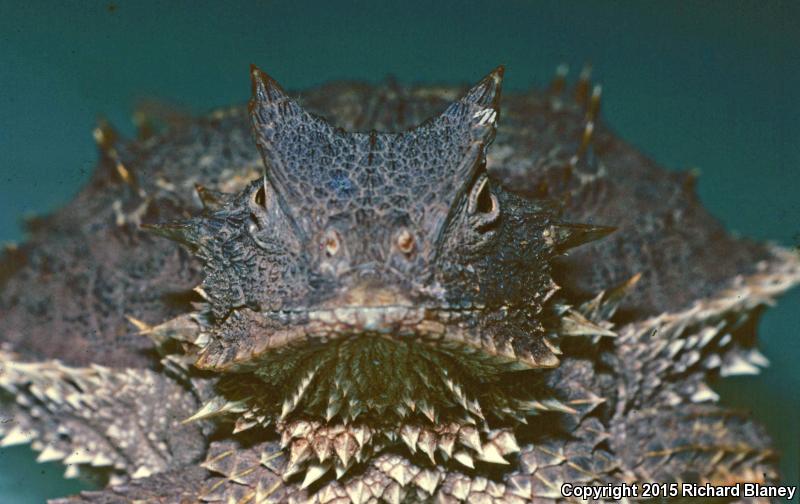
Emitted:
<point x="375" y="273"/>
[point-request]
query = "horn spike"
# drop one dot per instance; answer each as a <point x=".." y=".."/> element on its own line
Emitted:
<point x="594" y="103"/>
<point x="105" y="136"/>
<point x="586" y="138"/>
<point x="559" y="81"/>
<point x="264" y="88"/>
<point x="487" y="91"/>
<point x="582" y="87"/>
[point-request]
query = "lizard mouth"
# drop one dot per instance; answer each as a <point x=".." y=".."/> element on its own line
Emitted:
<point x="251" y="339"/>
<point x="376" y="311"/>
<point x="392" y="319"/>
<point x="277" y="335"/>
<point x="397" y="321"/>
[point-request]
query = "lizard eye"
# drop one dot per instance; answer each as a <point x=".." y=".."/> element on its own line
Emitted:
<point x="482" y="206"/>
<point x="260" y="197"/>
<point x="405" y="241"/>
<point x="258" y="205"/>
<point x="331" y="243"/>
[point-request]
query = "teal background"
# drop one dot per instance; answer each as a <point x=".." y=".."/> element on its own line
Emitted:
<point x="710" y="85"/>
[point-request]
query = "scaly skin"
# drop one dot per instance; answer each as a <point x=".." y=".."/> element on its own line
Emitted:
<point x="486" y="304"/>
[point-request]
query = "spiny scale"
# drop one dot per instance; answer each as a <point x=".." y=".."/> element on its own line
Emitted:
<point x="592" y="318"/>
<point x="76" y="421"/>
<point x="582" y="87"/>
<point x="560" y="79"/>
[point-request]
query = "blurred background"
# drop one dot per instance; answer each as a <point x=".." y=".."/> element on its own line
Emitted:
<point x="709" y="85"/>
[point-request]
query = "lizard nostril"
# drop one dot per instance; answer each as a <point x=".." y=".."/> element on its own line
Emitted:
<point x="405" y="242"/>
<point x="331" y="243"/>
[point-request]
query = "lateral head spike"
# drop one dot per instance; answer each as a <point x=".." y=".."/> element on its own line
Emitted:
<point x="176" y="231"/>
<point x="212" y="200"/>
<point x="567" y="236"/>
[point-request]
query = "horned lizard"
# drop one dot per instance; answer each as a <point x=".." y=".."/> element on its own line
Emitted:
<point x="384" y="294"/>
